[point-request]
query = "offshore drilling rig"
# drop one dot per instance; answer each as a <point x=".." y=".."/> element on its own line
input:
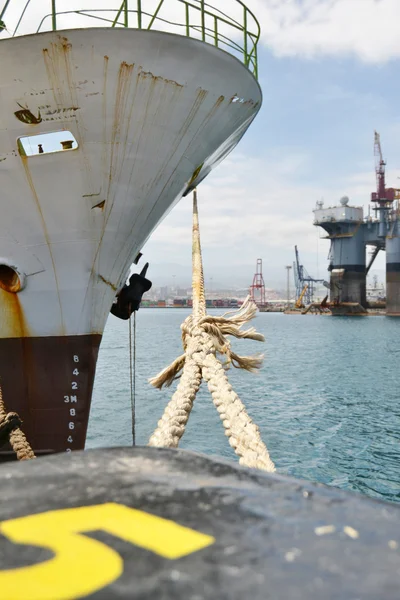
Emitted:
<point x="350" y="233"/>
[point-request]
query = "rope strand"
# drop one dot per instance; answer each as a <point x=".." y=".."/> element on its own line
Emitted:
<point x="204" y="337"/>
<point x="132" y="374"/>
<point x="17" y="438"/>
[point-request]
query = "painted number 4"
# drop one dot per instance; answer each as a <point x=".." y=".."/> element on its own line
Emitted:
<point x="75" y="372"/>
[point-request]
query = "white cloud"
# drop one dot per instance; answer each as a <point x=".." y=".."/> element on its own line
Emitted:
<point x="367" y="29"/>
<point x="257" y="207"/>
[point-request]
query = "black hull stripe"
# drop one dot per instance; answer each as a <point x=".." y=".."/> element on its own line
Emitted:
<point x="353" y="268"/>
<point x="393" y="267"/>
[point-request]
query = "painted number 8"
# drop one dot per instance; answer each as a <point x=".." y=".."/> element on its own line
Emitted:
<point x="93" y="564"/>
<point x="76" y="358"/>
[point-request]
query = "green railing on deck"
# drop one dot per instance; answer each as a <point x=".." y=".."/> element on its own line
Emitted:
<point x="236" y="30"/>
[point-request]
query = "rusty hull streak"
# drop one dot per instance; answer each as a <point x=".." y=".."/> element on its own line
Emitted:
<point x="111" y="285"/>
<point x="100" y="205"/>
<point x="121" y="98"/>
<point x="46" y="234"/>
<point x="121" y="105"/>
<point x="196" y="173"/>
<point x="104" y="106"/>
<point x="12" y="313"/>
<point x="92" y="278"/>
<point x="143" y="77"/>
<point x="122" y="116"/>
<point x="237" y="100"/>
<point x="124" y="80"/>
<point x="54" y="60"/>
<point x="158" y="78"/>
<point x="201" y="96"/>
<point x="59" y="68"/>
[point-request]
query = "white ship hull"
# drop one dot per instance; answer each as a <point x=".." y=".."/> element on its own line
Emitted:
<point x="152" y="114"/>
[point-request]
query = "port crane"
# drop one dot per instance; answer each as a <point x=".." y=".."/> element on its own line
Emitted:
<point x="257" y="289"/>
<point x="383" y="196"/>
<point x="383" y="199"/>
<point x="303" y="279"/>
<point x="299" y="301"/>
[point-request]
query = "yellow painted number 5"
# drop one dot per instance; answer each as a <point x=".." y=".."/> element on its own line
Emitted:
<point x="82" y="565"/>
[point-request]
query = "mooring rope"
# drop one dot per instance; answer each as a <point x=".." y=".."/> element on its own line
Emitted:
<point x="204" y="339"/>
<point x="10" y="424"/>
<point x="132" y="373"/>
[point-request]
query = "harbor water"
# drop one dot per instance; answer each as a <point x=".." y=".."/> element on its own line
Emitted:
<point x="326" y="399"/>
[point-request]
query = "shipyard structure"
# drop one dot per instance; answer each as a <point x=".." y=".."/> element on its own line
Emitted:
<point x="350" y="232"/>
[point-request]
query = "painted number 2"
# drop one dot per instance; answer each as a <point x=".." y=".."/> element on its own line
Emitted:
<point x="93" y="564"/>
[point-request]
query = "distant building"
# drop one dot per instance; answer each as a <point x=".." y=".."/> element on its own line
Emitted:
<point x="164" y="291"/>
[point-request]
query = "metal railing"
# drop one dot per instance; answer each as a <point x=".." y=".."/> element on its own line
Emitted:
<point x="236" y="31"/>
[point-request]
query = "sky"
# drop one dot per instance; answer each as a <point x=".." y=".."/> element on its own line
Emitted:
<point x="328" y="70"/>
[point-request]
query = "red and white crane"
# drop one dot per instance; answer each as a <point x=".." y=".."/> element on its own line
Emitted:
<point x="257" y="289"/>
<point x="382" y="195"/>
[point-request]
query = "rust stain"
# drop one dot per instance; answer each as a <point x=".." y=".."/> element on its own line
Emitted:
<point x="172" y="102"/>
<point x="238" y="118"/>
<point x="100" y="205"/>
<point x="162" y="102"/>
<point x="121" y="121"/>
<point x="158" y="95"/>
<point x="105" y="162"/>
<point x="111" y="285"/>
<point x="196" y="173"/>
<point x="158" y="78"/>
<point x="200" y="98"/>
<point x="58" y="61"/>
<point x="104" y="106"/>
<point x="121" y="97"/>
<point x="241" y="101"/>
<point x="13" y="315"/>
<point x="26" y="116"/>
<point x="46" y="234"/>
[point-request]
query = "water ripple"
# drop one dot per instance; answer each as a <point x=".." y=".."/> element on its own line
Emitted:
<point x="326" y="399"/>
